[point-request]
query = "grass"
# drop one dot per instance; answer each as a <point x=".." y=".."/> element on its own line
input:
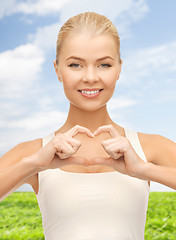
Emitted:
<point x="20" y="217"/>
<point x="161" y="216"/>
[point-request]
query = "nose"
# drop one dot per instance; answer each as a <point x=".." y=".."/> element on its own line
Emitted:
<point x="90" y="75"/>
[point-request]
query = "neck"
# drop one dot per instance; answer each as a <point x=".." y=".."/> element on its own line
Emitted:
<point x="89" y="119"/>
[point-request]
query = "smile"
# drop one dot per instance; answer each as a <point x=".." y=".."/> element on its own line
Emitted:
<point x="90" y="94"/>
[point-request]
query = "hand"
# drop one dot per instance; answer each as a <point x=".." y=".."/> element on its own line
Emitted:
<point x="124" y="158"/>
<point x="58" y="151"/>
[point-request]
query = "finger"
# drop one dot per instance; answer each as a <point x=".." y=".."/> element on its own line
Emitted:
<point x="69" y="147"/>
<point x="73" y="131"/>
<point x="115" y="150"/>
<point x="101" y="161"/>
<point x="117" y="165"/>
<point x="109" y="141"/>
<point x="66" y="148"/>
<point x="58" y="162"/>
<point x="62" y="155"/>
<point x="76" y="160"/>
<point x="108" y="149"/>
<point x="74" y="142"/>
<point x="122" y="147"/>
<point x="107" y="128"/>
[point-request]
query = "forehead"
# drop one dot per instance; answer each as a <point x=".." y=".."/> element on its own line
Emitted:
<point x="86" y="46"/>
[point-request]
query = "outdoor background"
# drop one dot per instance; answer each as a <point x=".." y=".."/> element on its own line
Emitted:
<point x="32" y="100"/>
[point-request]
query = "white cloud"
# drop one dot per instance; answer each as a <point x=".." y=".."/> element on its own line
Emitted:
<point x="146" y="62"/>
<point x="29" y="127"/>
<point x="20" y="69"/>
<point x="45" y="37"/>
<point x="36" y="121"/>
<point x="138" y="9"/>
<point x="120" y="102"/>
<point x="135" y="9"/>
<point x="40" y="7"/>
<point x="115" y="7"/>
<point x="6" y="7"/>
<point x="9" y="109"/>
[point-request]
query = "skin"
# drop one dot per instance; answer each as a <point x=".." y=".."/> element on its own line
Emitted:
<point x="90" y="113"/>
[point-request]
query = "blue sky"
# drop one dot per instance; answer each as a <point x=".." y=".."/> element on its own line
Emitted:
<point x="32" y="101"/>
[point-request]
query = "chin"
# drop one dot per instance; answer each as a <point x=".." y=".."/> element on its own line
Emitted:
<point x="91" y="107"/>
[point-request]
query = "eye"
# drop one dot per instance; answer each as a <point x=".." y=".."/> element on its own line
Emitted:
<point x="106" y="65"/>
<point x="74" y="65"/>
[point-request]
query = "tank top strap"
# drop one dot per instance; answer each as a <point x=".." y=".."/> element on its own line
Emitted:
<point x="42" y="175"/>
<point x="48" y="138"/>
<point x="132" y="136"/>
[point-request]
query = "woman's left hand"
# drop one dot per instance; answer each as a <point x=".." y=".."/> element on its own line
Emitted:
<point x="123" y="158"/>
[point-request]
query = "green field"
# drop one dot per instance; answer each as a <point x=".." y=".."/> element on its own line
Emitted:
<point x="20" y="217"/>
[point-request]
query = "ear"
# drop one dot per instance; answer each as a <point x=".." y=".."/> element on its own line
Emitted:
<point x="119" y="70"/>
<point x="57" y="71"/>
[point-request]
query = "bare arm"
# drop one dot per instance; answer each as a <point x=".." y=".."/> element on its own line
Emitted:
<point x="14" y="169"/>
<point x="161" y="174"/>
<point x="14" y="176"/>
<point x="162" y="165"/>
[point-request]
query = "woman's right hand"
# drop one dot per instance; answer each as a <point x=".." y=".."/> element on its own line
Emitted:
<point x="58" y="151"/>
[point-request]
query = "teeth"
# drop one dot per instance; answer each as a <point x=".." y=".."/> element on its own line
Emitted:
<point x="90" y="92"/>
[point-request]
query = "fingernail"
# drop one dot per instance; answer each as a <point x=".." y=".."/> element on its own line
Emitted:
<point x="92" y="134"/>
<point x="95" y="133"/>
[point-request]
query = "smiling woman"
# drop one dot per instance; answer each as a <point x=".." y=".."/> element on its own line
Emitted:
<point x="91" y="176"/>
<point x="94" y="67"/>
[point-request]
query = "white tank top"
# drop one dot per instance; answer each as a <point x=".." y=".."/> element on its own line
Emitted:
<point x="93" y="206"/>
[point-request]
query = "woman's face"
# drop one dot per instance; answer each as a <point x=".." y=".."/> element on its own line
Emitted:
<point x="89" y="63"/>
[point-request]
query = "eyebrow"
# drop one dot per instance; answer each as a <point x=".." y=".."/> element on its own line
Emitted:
<point x="78" y="58"/>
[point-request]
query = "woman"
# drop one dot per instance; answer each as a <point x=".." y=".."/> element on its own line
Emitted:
<point x="91" y="177"/>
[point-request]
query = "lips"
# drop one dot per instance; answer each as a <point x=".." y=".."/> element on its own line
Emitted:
<point x="90" y="89"/>
<point x="89" y="94"/>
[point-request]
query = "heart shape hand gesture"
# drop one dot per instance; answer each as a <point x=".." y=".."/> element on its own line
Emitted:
<point x="123" y="158"/>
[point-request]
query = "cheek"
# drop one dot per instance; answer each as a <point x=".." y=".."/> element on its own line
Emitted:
<point x="69" y="80"/>
<point x="70" y="85"/>
<point x="110" y="79"/>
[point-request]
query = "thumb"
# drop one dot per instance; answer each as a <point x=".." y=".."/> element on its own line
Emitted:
<point x="74" y="160"/>
<point x="101" y="161"/>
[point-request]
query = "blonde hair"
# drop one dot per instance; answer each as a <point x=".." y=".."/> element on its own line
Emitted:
<point x="90" y="22"/>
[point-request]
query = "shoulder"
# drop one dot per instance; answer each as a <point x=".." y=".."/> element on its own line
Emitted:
<point x="159" y="149"/>
<point x="20" y="151"/>
<point x="24" y="149"/>
<point x="30" y="147"/>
